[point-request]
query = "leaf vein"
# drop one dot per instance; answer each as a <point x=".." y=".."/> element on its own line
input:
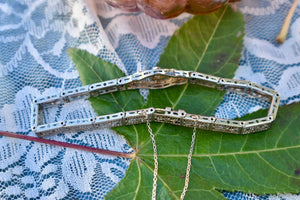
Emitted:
<point x="210" y="39"/>
<point x="218" y="174"/>
<point x="227" y="154"/>
<point x="278" y="170"/>
<point x="139" y="180"/>
<point x="283" y="132"/>
<point x="247" y="174"/>
<point x="161" y="179"/>
<point x="292" y="157"/>
<point x="202" y="56"/>
<point x="245" y="142"/>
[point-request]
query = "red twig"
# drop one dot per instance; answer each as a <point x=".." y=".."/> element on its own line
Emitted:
<point x="68" y="145"/>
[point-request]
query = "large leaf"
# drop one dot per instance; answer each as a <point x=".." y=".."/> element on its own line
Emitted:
<point x="92" y="70"/>
<point x="265" y="162"/>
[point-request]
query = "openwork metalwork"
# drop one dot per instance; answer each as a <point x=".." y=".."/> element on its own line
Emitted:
<point x="156" y="78"/>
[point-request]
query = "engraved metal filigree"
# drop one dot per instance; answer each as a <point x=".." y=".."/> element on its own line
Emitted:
<point x="157" y="79"/>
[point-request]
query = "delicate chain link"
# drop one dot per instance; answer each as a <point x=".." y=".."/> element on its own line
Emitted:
<point x="155" y="172"/>
<point x="188" y="167"/>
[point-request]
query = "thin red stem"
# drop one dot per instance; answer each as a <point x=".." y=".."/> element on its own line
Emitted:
<point x="68" y="145"/>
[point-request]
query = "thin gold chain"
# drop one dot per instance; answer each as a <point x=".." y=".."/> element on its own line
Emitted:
<point x="189" y="163"/>
<point x="155" y="172"/>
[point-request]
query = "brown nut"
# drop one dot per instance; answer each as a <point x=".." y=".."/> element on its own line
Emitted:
<point x="166" y="9"/>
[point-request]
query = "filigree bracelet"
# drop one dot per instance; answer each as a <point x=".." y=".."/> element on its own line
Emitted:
<point x="156" y="78"/>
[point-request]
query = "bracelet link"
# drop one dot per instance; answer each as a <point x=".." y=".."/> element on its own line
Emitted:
<point x="156" y="79"/>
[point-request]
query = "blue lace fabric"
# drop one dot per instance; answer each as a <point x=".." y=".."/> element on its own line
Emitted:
<point x="34" y="38"/>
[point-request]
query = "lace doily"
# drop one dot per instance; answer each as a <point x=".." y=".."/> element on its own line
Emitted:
<point x="34" y="37"/>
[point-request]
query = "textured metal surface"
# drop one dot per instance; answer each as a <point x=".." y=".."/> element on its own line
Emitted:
<point x="157" y="79"/>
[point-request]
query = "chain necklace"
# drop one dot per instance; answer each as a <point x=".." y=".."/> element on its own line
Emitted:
<point x="188" y="168"/>
<point x="155" y="171"/>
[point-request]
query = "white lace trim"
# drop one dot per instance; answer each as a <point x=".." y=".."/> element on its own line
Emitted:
<point x="287" y="53"/>
<point x="261" y="11"/>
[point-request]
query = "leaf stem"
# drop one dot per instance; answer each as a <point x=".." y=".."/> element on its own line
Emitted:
<point x="68" y="145"/>
<point x="286" y="25"/>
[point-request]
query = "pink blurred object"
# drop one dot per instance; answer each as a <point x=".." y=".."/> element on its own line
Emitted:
<point x="165" y="9"/>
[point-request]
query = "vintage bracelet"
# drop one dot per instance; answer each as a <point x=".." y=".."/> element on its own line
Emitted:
<point x="156" y="78"/>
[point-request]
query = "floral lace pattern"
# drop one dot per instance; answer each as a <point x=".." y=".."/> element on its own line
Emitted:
<point x="34" y="37"/>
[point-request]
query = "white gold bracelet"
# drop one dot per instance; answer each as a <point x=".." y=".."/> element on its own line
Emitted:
<point x="156" y="78"/>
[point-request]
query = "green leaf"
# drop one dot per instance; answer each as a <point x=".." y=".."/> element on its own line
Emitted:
<point x="265" y="162"/>
<point x="92" y="70"/>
